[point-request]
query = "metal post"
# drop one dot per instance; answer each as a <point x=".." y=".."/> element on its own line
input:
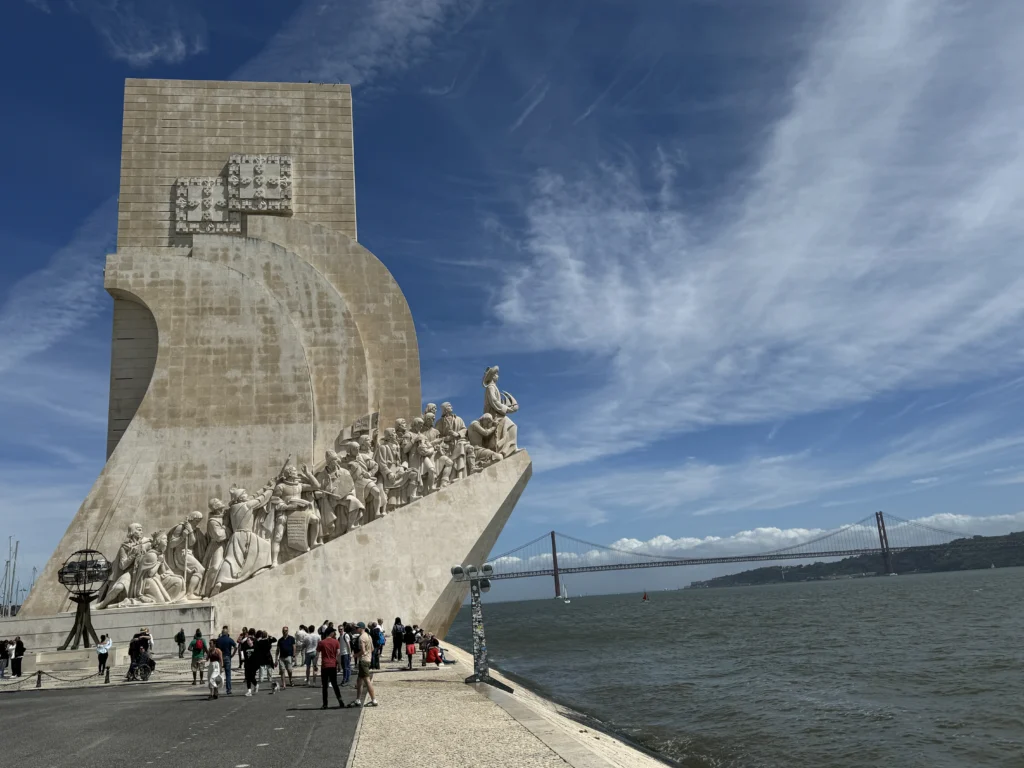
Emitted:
<point x="554" y="563"/>
<point x="39" y="678"/>
<point x="883" y="543"/>
<point x="478" y="583"/>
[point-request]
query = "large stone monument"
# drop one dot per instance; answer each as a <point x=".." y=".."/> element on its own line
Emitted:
<point x="268" y="460"/>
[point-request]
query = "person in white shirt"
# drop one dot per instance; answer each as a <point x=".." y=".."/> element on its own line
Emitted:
<point x="346" y="653"/>
<point x="103" y="652"/>
<point x="309" y="648"/>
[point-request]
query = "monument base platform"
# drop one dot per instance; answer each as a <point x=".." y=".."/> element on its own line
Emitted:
<point x="44" y="634"/>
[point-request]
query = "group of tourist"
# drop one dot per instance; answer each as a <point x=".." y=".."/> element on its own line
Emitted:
<point x="302" y="507"/>
<point x="11" y="652"/>
<point x="328" y="651"/>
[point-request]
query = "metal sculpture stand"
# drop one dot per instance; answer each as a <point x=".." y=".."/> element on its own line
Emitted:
<point x="82" y="629"/>
<point x="481" y="672"/>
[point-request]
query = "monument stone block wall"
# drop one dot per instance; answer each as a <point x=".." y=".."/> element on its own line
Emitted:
<point x="189" y="128"/>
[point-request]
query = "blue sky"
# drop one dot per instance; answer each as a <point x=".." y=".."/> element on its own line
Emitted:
<point x="748" y="266"/>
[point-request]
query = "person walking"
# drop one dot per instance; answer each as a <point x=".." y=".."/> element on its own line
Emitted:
<point x="346" y="653"/>
<point x="328" y="650"/>
<point x="198" y="648"/>
<point x="397" y="638"/>
<point x="409" y="640"/>
<point x="180" y="640"/>
<point x="285" y="656"/>
<point x="252" y="663"/>
<point x="241" y="638"/>
<point x="19" y="651"/>
<point x="265" y="654"/>
<point x="227" y="648"/>
<point x="103" y="653"/>
<point x="215" y="663"/>
<point x="5" y="657"/>
<point x="364" y="675"/>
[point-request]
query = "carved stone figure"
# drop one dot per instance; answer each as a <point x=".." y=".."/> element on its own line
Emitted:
<point x="247" y="552"/>
<point x="481" y="435"/>
<point x="217" y="535"/>
<point x="340" y="509"/>
<point x="454" y="444"/>
<point x="186" y="548"/>
<point x="442" y="462"/>
<point x="499" y="405"/>
<point x="396" y="478"/>
<point x="363" y="469"/>
<point x="119" y="584"/>
<point x="153" y="582"/>
<point x="293" y="514"/>
<point x="432" y="410"/>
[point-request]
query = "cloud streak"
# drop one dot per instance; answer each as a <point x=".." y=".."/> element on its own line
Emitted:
<point x="871" y="248"/>
<point x="48" y="304"/>
<point x="356" y="42"/>
<point x="917" y="461"/>
<point x="142" y="34"/>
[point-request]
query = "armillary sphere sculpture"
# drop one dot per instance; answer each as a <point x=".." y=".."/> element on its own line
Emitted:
<point x="82" y="574"/>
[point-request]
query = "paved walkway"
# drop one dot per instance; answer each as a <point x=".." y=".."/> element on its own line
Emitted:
<point x="153" y="725"/>
<point x="427" y="716"/>
<point x="431" y="716"/>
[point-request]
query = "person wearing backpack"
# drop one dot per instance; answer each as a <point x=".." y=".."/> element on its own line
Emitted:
<point x="198" y="648"/>
<point x="180" y="640"/>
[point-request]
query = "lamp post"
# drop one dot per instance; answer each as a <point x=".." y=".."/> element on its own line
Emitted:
<point x="479" y="582"/>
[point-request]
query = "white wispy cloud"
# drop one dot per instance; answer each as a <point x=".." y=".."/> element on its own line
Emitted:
<point x="144" y="33"/>
<point x="356" y="42"/>
<point x="873" y="247"/>
<point x="50" y="303"/>
<point x="959" y="449"/>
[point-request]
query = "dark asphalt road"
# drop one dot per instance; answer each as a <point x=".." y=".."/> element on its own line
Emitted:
<point x="155" y="724"/>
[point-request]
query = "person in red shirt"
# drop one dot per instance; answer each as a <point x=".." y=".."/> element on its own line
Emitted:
<point x="328" y="650"/>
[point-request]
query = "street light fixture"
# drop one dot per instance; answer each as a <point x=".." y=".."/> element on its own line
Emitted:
<point x="479" y="582"/>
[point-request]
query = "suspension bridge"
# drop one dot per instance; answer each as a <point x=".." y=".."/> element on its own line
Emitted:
<point x="884" y="535"/>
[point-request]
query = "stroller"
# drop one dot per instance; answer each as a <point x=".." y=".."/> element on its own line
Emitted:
<point x="141" y="668"/>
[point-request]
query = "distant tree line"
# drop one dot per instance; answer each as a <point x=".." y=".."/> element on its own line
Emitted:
<point x="959" y="555"/>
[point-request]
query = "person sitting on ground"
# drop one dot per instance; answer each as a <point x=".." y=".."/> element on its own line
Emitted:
<point x="198" y="648"/>
<point x="434" y="652"/>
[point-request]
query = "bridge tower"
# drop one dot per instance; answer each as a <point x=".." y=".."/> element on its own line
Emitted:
<point x="883" y="542"/>
<point x="554" y="565"/>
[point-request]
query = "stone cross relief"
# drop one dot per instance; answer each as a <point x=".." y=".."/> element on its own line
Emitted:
<point x="255" y="184"/>
<point x="371" y="474"/>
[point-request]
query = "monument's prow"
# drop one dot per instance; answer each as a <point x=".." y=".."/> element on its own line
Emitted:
<point x="251" y="326"/>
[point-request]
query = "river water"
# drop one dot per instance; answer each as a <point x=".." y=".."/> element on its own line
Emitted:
<point x="915" y="670"/>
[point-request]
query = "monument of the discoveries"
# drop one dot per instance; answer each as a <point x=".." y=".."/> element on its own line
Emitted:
<point x="269" y="459"/>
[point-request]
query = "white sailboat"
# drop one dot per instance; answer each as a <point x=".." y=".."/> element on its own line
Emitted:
<point x="565" y="593"/>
